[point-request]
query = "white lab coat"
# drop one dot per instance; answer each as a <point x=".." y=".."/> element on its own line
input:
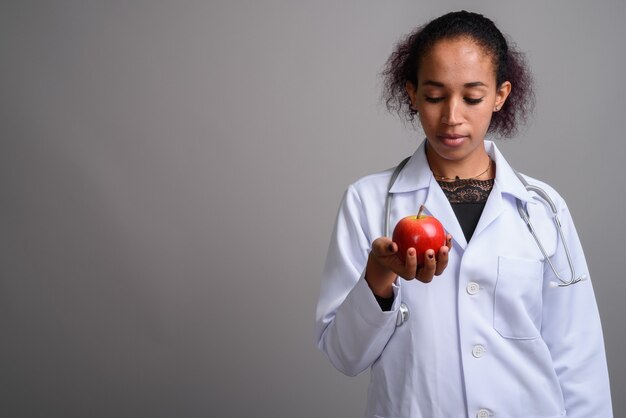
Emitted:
<point x="490" y="336"/>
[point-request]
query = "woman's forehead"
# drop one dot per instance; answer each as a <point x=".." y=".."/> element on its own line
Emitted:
<point x="458" y="61"/>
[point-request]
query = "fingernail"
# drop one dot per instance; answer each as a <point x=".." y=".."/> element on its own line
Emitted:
<point x="430" y="256"/>
<point x="390" y="248"/>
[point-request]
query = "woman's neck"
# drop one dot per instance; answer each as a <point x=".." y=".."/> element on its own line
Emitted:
<point x="476" y="167"/>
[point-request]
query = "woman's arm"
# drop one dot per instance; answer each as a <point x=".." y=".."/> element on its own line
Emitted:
<point x="351" y="329"/>
<point x="571" y="328"/>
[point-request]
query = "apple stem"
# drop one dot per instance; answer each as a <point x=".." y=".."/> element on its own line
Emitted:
<point x="422" y="207"/>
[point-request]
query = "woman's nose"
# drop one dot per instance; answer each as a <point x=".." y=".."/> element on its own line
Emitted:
<point x="451" y="113"/>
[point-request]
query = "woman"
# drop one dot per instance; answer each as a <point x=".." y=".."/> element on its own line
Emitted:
<point x="483" y="330"/>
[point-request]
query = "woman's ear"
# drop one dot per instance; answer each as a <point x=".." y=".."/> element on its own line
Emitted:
<point x="411" y="90"/>
<point x="501" y="95"/>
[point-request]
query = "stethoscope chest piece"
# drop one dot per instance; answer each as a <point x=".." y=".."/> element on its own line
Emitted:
<point x="403" y="314"/>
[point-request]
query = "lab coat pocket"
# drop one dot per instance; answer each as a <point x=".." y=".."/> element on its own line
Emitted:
<point x="517" y="301"/>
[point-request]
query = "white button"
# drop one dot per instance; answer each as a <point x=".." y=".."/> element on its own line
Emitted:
<point x="478" y="351"/>
<point x="472" y="288"/>
<point x="483" y="413"/>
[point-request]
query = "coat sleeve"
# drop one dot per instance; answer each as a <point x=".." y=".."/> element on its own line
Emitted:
<point x="572" y="331"/>
<point x="350" y="327"/>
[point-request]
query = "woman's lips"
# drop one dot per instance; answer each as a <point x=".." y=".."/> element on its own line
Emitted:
<point x="451" y="140"/>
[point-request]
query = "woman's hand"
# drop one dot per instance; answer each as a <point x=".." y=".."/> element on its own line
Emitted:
<point x="383" y="265"/>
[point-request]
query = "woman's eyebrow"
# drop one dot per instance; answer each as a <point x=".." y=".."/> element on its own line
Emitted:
<point x="432" y="83"/>
<point x="475" y="84"/>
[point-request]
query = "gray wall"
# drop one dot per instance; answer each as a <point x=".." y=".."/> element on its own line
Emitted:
<point x="170" y="172"/>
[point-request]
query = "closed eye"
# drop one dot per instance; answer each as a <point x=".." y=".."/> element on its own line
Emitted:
<point x="468" y="100"/>
<point x="433" y="99"/>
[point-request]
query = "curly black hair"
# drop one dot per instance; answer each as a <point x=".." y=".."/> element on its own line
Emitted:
<point x="509" y="64"/>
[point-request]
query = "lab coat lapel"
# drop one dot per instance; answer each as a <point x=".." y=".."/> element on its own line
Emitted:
<point x="506" y="182"/>
<point x="437" y="205"/>
<point x="493" y="209"/>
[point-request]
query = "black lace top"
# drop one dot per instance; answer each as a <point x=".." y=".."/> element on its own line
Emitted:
<point x="468" y="198"/>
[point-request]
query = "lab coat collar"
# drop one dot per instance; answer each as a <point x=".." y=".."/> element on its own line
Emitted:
<point x="416" y="174"/>
<point x="506" y="179"/>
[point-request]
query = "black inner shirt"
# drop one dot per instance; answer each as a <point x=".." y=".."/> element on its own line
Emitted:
<point x="467" y="198"/>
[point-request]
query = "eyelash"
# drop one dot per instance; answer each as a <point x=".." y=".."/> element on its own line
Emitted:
<point x="467" y="100"/>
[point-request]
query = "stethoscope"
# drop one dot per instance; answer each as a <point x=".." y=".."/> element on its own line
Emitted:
<point x="523" y="214"/>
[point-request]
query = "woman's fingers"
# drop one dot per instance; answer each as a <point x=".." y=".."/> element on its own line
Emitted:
<point x="410" y="265"/>
<point x="384" y="247"/>
<point x="442" y="260"/>
<point x="386" y="253"/>
<point x="434" y="265"/>
<point x="426" y="272"/>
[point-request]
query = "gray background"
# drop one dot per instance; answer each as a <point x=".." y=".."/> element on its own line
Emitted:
<point x="170" y="172"/>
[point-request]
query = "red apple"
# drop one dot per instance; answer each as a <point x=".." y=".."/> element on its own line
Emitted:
<point x="421" y="232"/>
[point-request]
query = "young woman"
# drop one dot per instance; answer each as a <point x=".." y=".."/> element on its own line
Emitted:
<point x="488" y="328"/>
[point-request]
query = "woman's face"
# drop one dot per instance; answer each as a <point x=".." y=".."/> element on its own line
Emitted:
<point x="455" y="98"/>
